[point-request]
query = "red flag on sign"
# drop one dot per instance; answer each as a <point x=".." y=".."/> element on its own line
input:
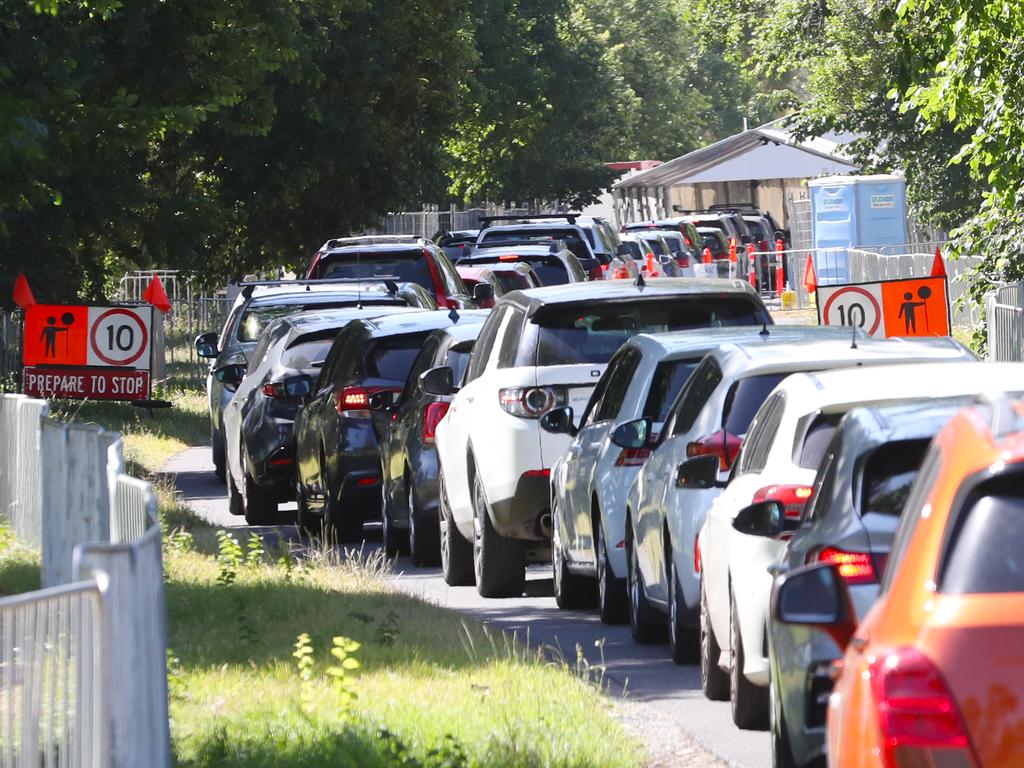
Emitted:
<point x="938" y="265"/>
<point x="810" y="281"/>
<point x="22" y="293"/>
<point x="156" y="295"/>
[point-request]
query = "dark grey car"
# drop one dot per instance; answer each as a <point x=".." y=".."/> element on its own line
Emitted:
<point x="408" y="456"/>
<point x="861" y="485"/>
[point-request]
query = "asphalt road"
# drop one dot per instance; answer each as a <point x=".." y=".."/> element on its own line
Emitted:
<point x="663" y="702"/>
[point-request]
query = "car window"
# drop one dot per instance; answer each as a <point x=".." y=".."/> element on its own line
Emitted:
<point x="617" y="386"/>
<point x="591" y="332"/>
<point x="510" y="339"/>
<point x="669" y="378"/>
<point x="602" y="385"/>
<point x="485" y="342"/>
<point x="347" y="355"/>
<point x="745" y="396"/>
<point x="391" y="357"/>
<point x="695" y="395"/>
<point x="887" y="474"/>
<point x="761" y="432"/>
<point x="457" y="358"/>
<point x="424" y="361"/>
<point x="824" y="481"/>
<point x="229" y="326"/>
<point x="260" y="352"/>
<point x="302" y="354"/>
<point x="811" y="445"/>
<point x="550" y="269"/>
<point x="407" y="266"/>
<point x="512" y="281"/>
<point x="919" y="493"/>
<point x="985" y="549"/>
<point x="453" y="284"/>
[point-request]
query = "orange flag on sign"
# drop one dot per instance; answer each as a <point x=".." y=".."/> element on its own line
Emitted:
<point x="938" y="265"/>
<point x="22" y="293"/>
<point x="810" y="281"/>
<point x="156" y="295"/>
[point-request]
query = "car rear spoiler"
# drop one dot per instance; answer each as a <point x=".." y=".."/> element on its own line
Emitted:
<point x="390" y="283"/>
<point x="485" y="221"/>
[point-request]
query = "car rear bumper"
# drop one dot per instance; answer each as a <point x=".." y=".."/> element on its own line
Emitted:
<point x="520" y="516"/>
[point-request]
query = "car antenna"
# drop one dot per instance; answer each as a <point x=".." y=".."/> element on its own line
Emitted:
<point x="454" y="314"/>
<point x="764" y="329"/>
<point x="640" y="283"/>
<point x="359" y="286"/>
<point x="853" y="337"/>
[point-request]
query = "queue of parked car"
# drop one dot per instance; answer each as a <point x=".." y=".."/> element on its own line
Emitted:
<point x="826" y="522"/>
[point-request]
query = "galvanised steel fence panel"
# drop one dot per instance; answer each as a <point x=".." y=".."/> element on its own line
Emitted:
<point x="10" y="350"/>
<point x="1004" y="316"/>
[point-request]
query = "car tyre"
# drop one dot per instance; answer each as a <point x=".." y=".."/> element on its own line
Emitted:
<point x="749" y="701"/>
<point x="612" y="599"/>
<point x="456" y="552"/>
<point x="396" y="541"/>
<point x="424" y="547"/>
<point x="217" y="449"/>
<point x="309" y="525"/>
<point x="499" y="563"/>
<point x="713" y="681"/>
<point x="571" y="590"/>
<point x="645" y="623"/>
<point x="260" y="508"/>
<point x="683" y="641"/>
<point x="236" y="506"/>
<point x="782" y="751"/>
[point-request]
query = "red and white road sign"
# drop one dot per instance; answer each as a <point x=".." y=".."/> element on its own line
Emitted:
<point x="114" y="337"/>
<point x="916" y="306"/>
<point x="91" y="383"/>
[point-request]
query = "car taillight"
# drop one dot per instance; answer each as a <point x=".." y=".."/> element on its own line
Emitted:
<point x="432" y="416"/>
<point x="722" y="444"/>
<point x="792" y="497"/>
<point x="596" y="273"/>
<point x="696" y="554"/>
<point x="531" y="402"/>
<point x="508" y="257"/>
<point x="917" y="715"/>
<point x="353" y="402"/>
<point x="633" y="457"/>
<point x="273" y="389"/>
<point x="683" y="261"/>
<point x="855" y="567"/>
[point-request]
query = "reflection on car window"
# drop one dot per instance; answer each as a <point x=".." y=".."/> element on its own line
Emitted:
<point x="392" y="357"/>
<point x="458" y="358"/>
<point x="889" y="473"/>
<point x="745" y="397"/>
<point x="669" y="378"/>
<point x="302" y="356"/>
<point x="817" y="438"/>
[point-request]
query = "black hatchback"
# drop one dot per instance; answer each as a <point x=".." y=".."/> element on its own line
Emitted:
<point x="408" y="456"/>
<point x="337" y="433"/>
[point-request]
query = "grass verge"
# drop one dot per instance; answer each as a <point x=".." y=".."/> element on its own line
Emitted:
<point x="380" y="678"/>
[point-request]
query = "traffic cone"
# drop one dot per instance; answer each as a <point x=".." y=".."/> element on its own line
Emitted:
<point x="707" y="255"/>
<point x="938" y="265"/>
<point x="732" y="249"/>
<point x="810" y="281"/>
<point x="649" y="265"/>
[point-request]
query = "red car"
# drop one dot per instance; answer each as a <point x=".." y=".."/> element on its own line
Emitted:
<point x="502" y="277"/>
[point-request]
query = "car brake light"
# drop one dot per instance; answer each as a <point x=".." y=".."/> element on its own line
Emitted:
<point x="696" y="554"/>
<point x="855" y="567"/>
<point x="352" y="401"/>
<point x="538" y="472"/>
<point x="531" y="402"/>
<point x="792" y="497"/>
<point x="432" y="416"/>
<point x="722" y="444"/>
<point x="366" y="482"/>
<point x="918" y="717"/>
<point x="633" y="457"/>
<point x="683" y="261"/>
<point x="508" y="257"/>
<point x="273" y="389"/>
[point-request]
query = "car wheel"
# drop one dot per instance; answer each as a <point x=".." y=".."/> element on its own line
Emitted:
<point x="343" y="527"/>
<point x="217" y="449"/>
<point x="645" y="623"/>
<point x="456" y="552"/>
<point x="683" y="641"/>
<point x="260" y="508"/>
<point x="396" y="541"/>
<point x="749" y="701"/>
<point x="571" y="590"/>
<point x="713" y="681"/>
<point x="782" y="751"/>
<point x="498" y="562"/>
<point x="309" y="525"/>
<point x="235" y="504"/>
<point x="611" y="592"/>
<point x="423" y="544"/>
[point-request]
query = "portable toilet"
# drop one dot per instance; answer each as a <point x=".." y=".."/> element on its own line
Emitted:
<point x="849" y="211"/>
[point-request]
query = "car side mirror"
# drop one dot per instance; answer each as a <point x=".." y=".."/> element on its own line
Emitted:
<point x="815" y="596"/>
<point x="483" y="292"/>
<point x="298" y="387"/>
<point x="206" y="345"/>
<point x="438" y="381"/>
<point x="230" y="375"/>
<point x="699" y="472"/>
<point x="766" y="518"/>
<point x="383" y="401"/>
<point x="632" y="434"/>
<point x="558" y="421"/>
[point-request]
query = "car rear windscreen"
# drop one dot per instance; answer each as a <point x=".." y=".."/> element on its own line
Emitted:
<point x="817" y="438"/>
<point x="404" y="266"/>
<point x="985" y="553"/>
<point x="745" y="397"/>
<point x="512" y="281"/>
<point x="591" y="332"/>
<point x="255" y="318"/>
<point x="303" y="355"/>
<point x="889" y="471"/>
<point x="669" y="377"/>
<point x="550" y="269"/>
<point x="391" y="357"/>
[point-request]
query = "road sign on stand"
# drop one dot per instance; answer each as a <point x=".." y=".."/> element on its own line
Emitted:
<point x="102" y="353"/>
<point x="906" y="307"/>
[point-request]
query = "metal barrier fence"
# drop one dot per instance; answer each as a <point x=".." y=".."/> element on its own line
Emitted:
<point x="428" y="223"/>
<point x="83" y="677"/>
<point x="1004" y="316"/>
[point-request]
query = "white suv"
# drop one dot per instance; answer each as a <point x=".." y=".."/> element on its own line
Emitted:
<point x="539" y="350"/>
<point x="778" y="463"/>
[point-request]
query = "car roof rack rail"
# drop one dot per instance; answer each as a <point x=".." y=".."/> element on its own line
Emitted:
<point x="340" y="242"/>
<point x="571" y="217"/>
<point x="390" y="283"/>
<point x="733" y="207"/>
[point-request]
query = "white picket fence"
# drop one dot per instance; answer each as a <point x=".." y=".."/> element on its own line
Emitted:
<point x="83" y="674"/>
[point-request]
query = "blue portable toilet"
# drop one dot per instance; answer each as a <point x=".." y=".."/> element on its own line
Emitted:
<point x="850" y="211"/>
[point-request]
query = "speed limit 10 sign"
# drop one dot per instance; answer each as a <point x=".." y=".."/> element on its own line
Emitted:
<point x="95" y="352"/>
<point x="905" y="307"/>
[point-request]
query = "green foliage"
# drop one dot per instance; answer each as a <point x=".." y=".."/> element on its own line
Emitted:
<point x="343" y="650"/>
<point x="229" y="558"/>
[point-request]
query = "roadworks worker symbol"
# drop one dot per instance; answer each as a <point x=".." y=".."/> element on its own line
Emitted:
<point x="911" y="307"/>
<point x="115" y="337"/>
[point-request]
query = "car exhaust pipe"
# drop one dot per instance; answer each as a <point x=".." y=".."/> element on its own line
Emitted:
<point x="544" y="523"/>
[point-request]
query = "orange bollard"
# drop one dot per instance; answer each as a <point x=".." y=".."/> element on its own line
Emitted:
<point x="650" y="266"/>
<point x="732" y="249"/>
<point x="780" y="276"/>
<point x="707" y="255"/>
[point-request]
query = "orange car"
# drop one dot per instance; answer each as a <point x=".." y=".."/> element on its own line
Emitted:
<point x="934" y="675"/>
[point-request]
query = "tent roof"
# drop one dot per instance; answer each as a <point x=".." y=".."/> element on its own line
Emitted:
<point x="766" y="152"/>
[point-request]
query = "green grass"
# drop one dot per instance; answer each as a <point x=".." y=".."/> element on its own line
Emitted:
<point x="19" y="566"/>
